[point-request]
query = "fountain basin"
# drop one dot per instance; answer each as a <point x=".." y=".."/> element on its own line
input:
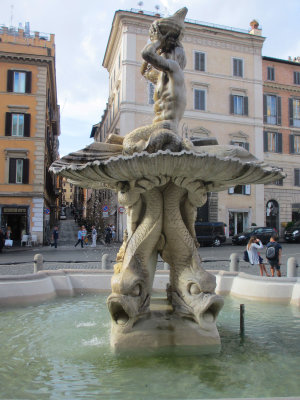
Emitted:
<point x="45" y="285"/>
<point x="60" y="349"/>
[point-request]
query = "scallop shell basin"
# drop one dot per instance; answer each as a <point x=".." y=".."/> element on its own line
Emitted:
<point x="102" y="165"/>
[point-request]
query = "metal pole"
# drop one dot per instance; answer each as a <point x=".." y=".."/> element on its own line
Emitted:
<point x="242" y="319"/>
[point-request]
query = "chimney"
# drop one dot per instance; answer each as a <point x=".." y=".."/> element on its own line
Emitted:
<point x="254" y="28"/>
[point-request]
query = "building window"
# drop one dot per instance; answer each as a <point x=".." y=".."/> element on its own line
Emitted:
<point x="294" y="112"/>
<point x="272" y="109"/>
<point x="295" y="144"/>
<point x="238" y="68"/>
<point x="18" y="170"/>
<point x="240" y="189"/>
<point x="17" y="125"/>
<point x="151" y="88"/>
<point x="199" y="99"/>
<point x="199" y="61"/>
<point x="296" y="78"/>
<point x="297" y="177"/>
<point x="271" y="74"/>
<point x="245" y="145"/>
<point x="238" y="105"/>
<point x="19" y="81"/>
<point x="272" y="142"/>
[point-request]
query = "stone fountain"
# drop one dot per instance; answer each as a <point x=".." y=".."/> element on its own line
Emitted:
<point x="161" y="179"/>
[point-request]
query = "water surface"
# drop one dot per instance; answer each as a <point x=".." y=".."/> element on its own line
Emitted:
<point x="60" y="350"/>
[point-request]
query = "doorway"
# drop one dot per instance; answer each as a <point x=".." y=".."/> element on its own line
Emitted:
<point x="272" y="214"/>
<point x="238" y="222"/>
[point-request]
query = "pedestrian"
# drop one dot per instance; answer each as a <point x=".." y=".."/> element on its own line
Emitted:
<point x="79" y="237"/>
<point x="94" y="236"/>
<point x="2" y="238"/>
<point x="113" y="234"/>
<point x="273" y="254"/>
<point x="54" y="237"/>
<point x="254" y="256"/>
<point x="107" y="234"/>
<point x="84" y="235"/>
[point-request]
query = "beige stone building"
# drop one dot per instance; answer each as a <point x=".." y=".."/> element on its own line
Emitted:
<point x="224" y="86"/>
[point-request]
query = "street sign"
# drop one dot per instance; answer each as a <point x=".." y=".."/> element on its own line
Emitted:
<point x="105" y="208"/>
<point x="105" y="214"/>
<point x="47" y="211"/>
<point x="121" y="210"/>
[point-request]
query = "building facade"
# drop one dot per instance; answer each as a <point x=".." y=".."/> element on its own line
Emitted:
<point x="224" y="88"/>
<point x="281" y="108"/>
<point x="29" y="130"/>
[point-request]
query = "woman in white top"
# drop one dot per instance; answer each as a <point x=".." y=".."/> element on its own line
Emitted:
<point x="254" y="257"/>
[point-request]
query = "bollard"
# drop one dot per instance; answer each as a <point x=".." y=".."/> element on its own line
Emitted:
<point x="234" y="262"/>
<point x="38" y="263"/>
<point x="105" y="262"/>
<point x="291" y="267"/>
<point x="166" y="266"/>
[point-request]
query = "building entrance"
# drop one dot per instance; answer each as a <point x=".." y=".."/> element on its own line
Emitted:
<point x="272" y="214"/>
<point x="16" y="219"/>
<point x="238" y="222"/>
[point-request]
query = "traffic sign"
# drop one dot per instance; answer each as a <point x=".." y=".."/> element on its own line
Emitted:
<point x="47" y="211"/>
<point x="121" y="210"/>
<point x="105" y="208"/>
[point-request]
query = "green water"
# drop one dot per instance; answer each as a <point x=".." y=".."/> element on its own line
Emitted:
<point x="60" y="350"/>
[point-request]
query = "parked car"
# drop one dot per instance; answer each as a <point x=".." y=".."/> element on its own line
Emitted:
<point x="210" y="233"/>
<point x="292" y="234"/>
<point x="261" y="232"/>
<point x="63" y="216"/>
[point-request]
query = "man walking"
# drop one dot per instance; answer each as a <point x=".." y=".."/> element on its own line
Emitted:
<point x="79" y="237"/>
<point x="273" y="254"/>
<point x="54" y="237"/>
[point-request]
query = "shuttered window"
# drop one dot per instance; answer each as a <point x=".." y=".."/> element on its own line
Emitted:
<point x="295" y="144"/>
<point x="296" y="78"/>
<point x="272" y="142"/>
<point x="297" y="177"/>
<point x="294" y="112"/>
<point x="199" y="99"/>
<point x="272" y="109"/>
<point x="18" y="170"/>
<point x="238" y="67"/>
<point x="271" y="74"/>
<point x="199" y="61"/>
<point x="238" y="105"/>
<point x="19" y="81"/>
<point x="151" y="93"/>
<point x="17" y="125"/>
<point x="240" y="189"/>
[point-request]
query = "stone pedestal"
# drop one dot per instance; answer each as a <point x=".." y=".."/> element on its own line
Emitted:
<point x="163" y="330"/>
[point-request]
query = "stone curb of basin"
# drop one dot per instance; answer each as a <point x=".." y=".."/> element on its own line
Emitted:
<point x="45" y="285"/>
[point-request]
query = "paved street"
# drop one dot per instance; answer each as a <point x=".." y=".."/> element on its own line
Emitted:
<point x="20" y="260"/>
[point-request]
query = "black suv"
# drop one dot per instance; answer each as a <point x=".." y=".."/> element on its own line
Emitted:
<point x="210" y="233"/>
<point x="261" y="232"/>
<point x="292" y="234"/>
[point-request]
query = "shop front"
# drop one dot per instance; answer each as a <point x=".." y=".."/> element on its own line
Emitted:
<point x="16" y="218"/>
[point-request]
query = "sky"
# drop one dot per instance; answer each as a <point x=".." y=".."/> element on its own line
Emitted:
<point x="82" y="29"/>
